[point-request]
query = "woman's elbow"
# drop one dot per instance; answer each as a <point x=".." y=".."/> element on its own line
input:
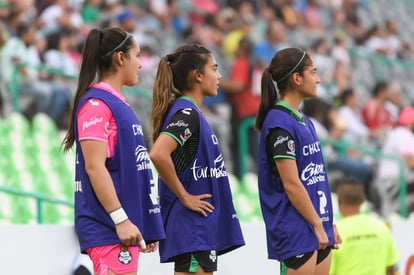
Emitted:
<point x="92" y="168"/>
<point x="155" y="157"/>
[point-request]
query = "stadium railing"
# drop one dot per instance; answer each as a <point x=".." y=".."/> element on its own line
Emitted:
<point x="343" y="147"/>
<point x="244" y="127"/>
<point x="40" y="200"/>
<point x="382" y="68"/>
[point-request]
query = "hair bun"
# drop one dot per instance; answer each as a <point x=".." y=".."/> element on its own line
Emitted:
<point x="170" y="58"/>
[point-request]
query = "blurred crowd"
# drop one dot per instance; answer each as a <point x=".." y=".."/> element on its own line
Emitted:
<point x="41" y="43"/>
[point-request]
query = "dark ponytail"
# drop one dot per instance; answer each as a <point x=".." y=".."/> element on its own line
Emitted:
<point x="284" y="64"/>
<point x="97" y="55"/>
<point x="267" y="99"/>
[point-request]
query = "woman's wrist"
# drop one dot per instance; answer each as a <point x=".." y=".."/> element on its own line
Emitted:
<point x="118" y="216"/>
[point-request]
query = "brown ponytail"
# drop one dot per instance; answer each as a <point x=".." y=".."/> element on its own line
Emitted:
<point x="163" y="96"/>
<point x="172" y="79"/>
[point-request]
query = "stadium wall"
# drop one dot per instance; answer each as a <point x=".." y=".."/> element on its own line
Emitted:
<point x="53" y="249"/>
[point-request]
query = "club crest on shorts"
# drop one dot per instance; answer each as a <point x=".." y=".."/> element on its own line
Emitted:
<point x="124" y="256"/>
<point x="213" y="256"/>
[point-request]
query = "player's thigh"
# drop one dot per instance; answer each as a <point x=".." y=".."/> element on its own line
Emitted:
<point x="323" y="266"/>
<point x="305" y="268"/>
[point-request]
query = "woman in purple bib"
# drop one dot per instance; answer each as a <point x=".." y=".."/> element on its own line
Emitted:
<point x="294" y="190"/>
<point x="195" y="198"/>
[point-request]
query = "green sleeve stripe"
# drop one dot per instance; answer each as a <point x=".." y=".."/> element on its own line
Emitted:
<point x="174" y="137"/>
<point x="283" y="157"/>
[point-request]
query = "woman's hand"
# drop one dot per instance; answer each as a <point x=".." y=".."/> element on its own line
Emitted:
<point x="197" y="203"/>
<point x="151" y="247"/>
<point x="128" y="233"/>
<point x="322" y="237"/>
<point x="337" y="238"/>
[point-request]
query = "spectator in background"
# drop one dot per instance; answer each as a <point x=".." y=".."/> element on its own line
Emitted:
<point x="91" y="12"/>
<point x="349" y="110"/>
<point x="339" y="50"/>
<point x="13" y="20"/>
<point x="243" y="27"/>
<point x="149" y="62"/>
<point x="395" y="101"/>
<point x="238" y="88"/>
<point x="57" y="59"/>
<point x="367" y="246"/>
<point x="111" y="9"/>
<point x="127" y="20"/>
<point x="51" y="98"/>
<point x="353" y="23"/>
<point x="375" y="40"/>
<point x="400" y="143"/>
<point x="177" y="16"/>
<point x="287" y="12"/>
<point x="341" y="78"/>
<point x="314" y="19"/>
<point x="325" y="64"/>
<point x="61" y="14"/>
<point x="275" y="40"/>
<point x="375" y="114"/>
<point x="391" y="37"/>
<point x="56" y="55"/>
<point x="131" y="23"/>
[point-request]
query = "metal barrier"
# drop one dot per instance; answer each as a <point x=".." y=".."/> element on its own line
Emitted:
<point x="40" y="198"/>
<point x="382" y="63"/>
<point x="244" y="127"/>
<point x="344" y="146"/>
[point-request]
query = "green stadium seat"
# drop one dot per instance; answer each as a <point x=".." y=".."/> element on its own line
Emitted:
<point x="32" y="161"/>
<point x="235" y="185"/>
<point x="17" y="122"/>
<point x="244" y="208"/>
<point x="250" y="182"/>
<point x="44" y="125"/>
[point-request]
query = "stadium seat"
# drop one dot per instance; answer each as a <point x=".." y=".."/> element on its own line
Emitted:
<point x="44" y="124"/>
<point x="32" y="161"/>
<point x="235" y="185"/>
<point x="245" y="210"/>
<point x="250" y="183"/>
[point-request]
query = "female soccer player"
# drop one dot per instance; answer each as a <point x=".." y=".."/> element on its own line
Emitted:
<point x="197" y="208"/>
<point x="293" y="186"/>
<point x="115" y="204"/>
